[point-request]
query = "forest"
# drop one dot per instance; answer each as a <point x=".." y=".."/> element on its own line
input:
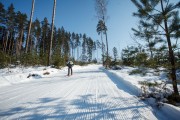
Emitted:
<point x="156" y="35"/>
<point x="14" y="47"/>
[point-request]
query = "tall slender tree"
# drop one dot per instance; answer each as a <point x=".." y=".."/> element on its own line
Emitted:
<point x="44" y="41"/>
<point x="84" y="48"/>
<point x="115" y="53"/>
<point x="89" y="49"/>
<point x="30" y="23"/>
<point x="77" y="44"/>
<point x="10" y="23"/>
<point x="73" y="37"/>
<point x="100" y="30"/>
<point x="101" y="10"/>
<point x="2" y="13"/>
<point x="37" y="33"/>
<point x="21" y="23"/>
<point x="164" y="16"/>
<point x="52" y="28"/>
<point x="2" y="26"/>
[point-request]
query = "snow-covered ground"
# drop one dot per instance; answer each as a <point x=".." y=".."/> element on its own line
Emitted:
<point x="90" y="93"/>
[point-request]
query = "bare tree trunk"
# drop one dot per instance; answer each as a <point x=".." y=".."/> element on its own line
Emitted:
<point x="29" y="30"/>
<point x="171" y="57"/>
<point x="77" y="52"/>
<point x="6" y="41"/>
<point x="31" y="45"/>
<point x="19" y="44"/>
<point x="10" y="43"/>
<point x="12" y="48"/>
<point x="150" y="48"/>
<point x="3" y="44"/>
<point x="107" y="59"/>
<point x="37" y="44"/>
<point x="52" y="29"/>
<point x="102" y="49"/>
<point x="72" y="49"/>
<point x="43" y="45"/>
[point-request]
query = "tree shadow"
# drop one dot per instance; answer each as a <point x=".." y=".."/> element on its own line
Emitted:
<point x="121" y="83"/>
<point x="82" y="108"/>
<point x="85" y="72"/>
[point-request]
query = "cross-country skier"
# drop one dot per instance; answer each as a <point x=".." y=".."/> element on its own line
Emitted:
<point x="70" y="65"/>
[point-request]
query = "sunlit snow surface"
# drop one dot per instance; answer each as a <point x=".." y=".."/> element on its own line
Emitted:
<point x="91" y="93"/>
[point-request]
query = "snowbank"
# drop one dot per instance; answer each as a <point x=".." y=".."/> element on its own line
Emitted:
<point x="133" y="80"/>
<point x="171" y="110"/>
<point x="18" y="75"/>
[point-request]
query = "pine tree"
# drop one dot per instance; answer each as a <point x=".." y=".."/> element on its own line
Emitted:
<point x="3" y="23"/>
<point x="89" y="49"/>
<point x="101" y="10"/>
<point x="100" y="30"/>
<point x="145" y="31"/>
<point x="84" y="48"/>
<point x="115" y="53"/>
<point x="10" y="24"/>
<point x="164" y="15"/>
<point x="45" y="29"/>
<point x="2" y="13"/>
<point x="21" y="24"/>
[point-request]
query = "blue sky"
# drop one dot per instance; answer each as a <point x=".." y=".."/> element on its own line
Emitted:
<point x="79" y="16"/>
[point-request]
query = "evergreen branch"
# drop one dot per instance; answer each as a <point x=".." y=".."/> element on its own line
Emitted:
<point x="156" y="21"/>
<point x="167" y="4"/>
<point x="139" y="44"/>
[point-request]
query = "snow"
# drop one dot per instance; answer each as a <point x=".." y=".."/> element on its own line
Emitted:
<point x="92" y="92"/>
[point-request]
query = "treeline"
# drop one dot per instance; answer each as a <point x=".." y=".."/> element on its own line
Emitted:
<point x="13" y="35"/>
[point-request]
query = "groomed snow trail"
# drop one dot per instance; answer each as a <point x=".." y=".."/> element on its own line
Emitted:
<point x="90" y="94"/>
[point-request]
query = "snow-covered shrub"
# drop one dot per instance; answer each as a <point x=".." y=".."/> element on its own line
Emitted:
<point x="116" y="67"/>
<point x="46" y="73"/>
<point x="138" y="71"/>
<point x="155" y="90"/>
<point x="33" y="75"/>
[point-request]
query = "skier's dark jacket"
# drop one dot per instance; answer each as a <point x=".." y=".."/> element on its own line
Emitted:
<point x="70" y="64"/>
